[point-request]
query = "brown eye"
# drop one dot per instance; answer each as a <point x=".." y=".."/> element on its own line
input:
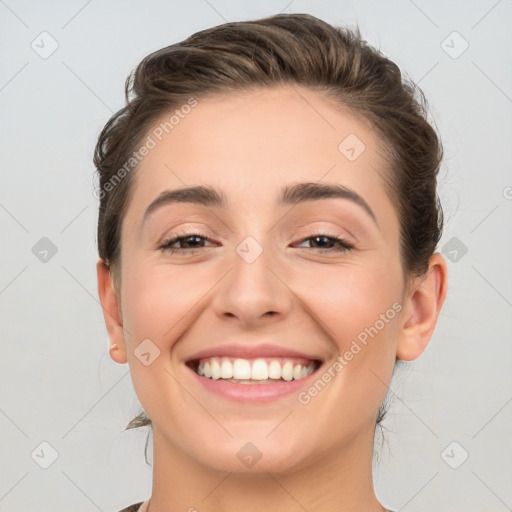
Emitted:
<point x="186" y="242"/>
<point x="329" y="243"/>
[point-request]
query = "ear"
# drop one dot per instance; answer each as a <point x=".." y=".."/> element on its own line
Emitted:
<point x="421" y="309"/>
<point x="111" y="312"/>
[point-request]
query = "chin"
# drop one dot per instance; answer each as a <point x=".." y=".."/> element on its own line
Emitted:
<point x="252" y="457"/>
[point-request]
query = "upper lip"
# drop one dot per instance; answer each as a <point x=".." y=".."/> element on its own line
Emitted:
<point x="250" y="352"/>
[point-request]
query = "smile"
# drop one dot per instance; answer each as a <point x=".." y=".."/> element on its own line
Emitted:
<point x="254" y="371"/>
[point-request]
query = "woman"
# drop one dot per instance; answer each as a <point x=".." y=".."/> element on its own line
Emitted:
<point x="267" y="234"/>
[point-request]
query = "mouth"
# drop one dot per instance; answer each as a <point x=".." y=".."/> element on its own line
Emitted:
<point x="254" y="371"/>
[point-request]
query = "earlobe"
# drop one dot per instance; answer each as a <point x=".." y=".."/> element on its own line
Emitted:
<point x="422" y="308"/>
<point x="111" y="313"/>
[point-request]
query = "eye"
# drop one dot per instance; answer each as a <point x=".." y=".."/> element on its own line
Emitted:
<point x="191" y="241"/>
<point x="194" y="242"/>
<point x="322" y="240"/>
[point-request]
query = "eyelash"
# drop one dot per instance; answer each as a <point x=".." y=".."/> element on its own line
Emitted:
<point x="343" y="245"/>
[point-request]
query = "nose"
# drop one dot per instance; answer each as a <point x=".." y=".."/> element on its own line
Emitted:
<point x="254" y="292"/>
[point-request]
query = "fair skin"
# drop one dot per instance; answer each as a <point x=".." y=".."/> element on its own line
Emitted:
<point x="315" y="456"/>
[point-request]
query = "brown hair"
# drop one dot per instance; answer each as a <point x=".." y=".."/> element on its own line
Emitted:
<point x="283" y="49"/>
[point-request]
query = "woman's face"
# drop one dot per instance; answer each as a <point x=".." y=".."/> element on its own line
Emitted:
<point x="260" y="276"/>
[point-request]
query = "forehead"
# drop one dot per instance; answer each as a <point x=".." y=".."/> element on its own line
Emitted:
<point x="251" y="144"/>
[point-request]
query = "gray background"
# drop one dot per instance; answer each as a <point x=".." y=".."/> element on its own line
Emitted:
<point x="58" y="384"/>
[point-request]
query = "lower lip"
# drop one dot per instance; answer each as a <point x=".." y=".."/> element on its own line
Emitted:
<point x="255" y="393"/>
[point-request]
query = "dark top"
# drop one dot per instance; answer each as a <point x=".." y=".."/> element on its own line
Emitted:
<point x="132" y="508"/>
<point x="135" y="508"/>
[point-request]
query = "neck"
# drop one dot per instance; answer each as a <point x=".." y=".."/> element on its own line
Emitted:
<point x="340" y="481"/>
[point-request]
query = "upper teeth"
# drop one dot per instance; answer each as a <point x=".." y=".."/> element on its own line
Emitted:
<point x="257" y="369"/>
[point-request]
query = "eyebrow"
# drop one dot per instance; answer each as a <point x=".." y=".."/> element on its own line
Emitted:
<point x="290" y="195"/>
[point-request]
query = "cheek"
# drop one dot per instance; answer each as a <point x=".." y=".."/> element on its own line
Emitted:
<point x="348" y="299"/>
<point x="358" y="309"/>
<point x="158" y="304"/>
<point x="158" y="298"/>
